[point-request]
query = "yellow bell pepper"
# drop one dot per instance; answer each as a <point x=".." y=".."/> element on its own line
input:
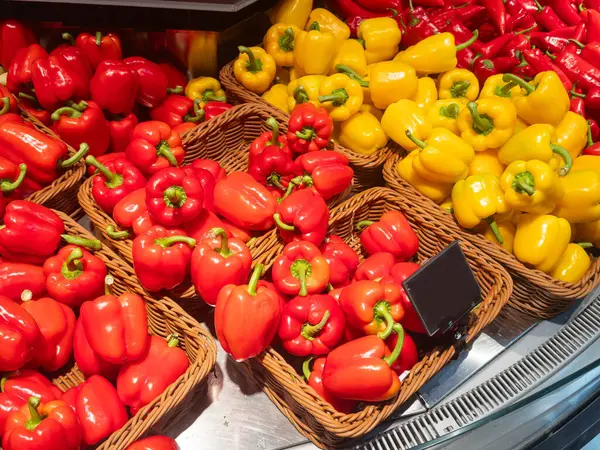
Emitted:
<point x="545" y="99"/>
<point x="579" y="194"/>
<point x="295" y="73"/>
<point x="487" y="123"/>
<point x="350" y="54"/>
<point x="341" y="96"/>
<point x="446" y="205"/>
<point x="521" y="125"/>
<point x="573" y="263"/>
<point x="494" y="86"/>
<point x="434" y="54"/>
<point x="381" y="37"/>
<point x="486" y="162"/>
<point x="391" y="81"/>
<point x="330" y="23"/>
<point x="314" y="50"/>
<point x="207" y="89"/>
<point x="541" y="240"/>
<point x="362" y="133"/>
<point x="443" y="157"/>
<point x="588" y="232"/>
<point x="254" y="69"/>
<point x="436" y="191"/>
<point x="426" y="94"/>
<point x="534" y="142"/>
<point x="402" y="116"/>
<point x="443" y="113"/>
<point x="371" y="109"/>
<point x="282" y="76"/>
<point x="279" y="43"/>
<point x="294" y="12"/>
<point x="278" y="97"/>
<point x="305" y="89"/>
<point x="586" y="162"/>
<point x="571" y="134"/>
<point x="507" y="231"/>
<point x="459" y="83"/>
<point x="530" y="186"/>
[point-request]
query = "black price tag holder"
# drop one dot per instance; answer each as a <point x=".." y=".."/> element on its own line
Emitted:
<point x="443" y="292"/>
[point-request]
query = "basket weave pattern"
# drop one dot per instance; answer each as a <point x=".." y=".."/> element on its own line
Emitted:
<point x="312" y="416"/>
<point x="164" y="318"/>
<point x="535" y="292"/>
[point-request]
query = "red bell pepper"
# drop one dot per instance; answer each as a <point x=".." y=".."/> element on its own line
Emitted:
<point x="301" y="269"/>
<point x="142" y="224"/>
<point x="392" y="233"/>
<point x="18" y="277"/>
<point x="120" y="131"/>
<point x="57" y="326"/>
<point x="315" y="381"/>
<point x="266" y="139"/>
<point x="227" y="260"/>
<point x="309" y="128"/>
<point x="100" y="47"/>
<point x="8" y="405"/>
<point x="245" y="202"/>
<point x="274" y="167"/>
<point x="141" y="381"/>
<point x="214" y="109"/>
<point x="152" y="81"/>
<point x="19" y="78"/>
<point x="13" y="37"/>
<point x="398" y="274"/>
<point x="375" y="267"/>
<point x="161" y="257"/>
<point x="116" y="327"/>
<point x="75" y="126"/>
<point x="19" y="333"/>
<point x="9" y="102"/>
<point x="33" y="108"/>
<point x="246" y="317"/>
<point x="359" y="371"/>
<point x="154" y="146"/>
<point x="212" y="166"/>
<point x="177" y="109"/>
<point x="302" y="215"/>
<point x="207" y="181"/>
<point x="311" y="325"/>
<point x="114" y="86"/>
<point x="99" y="409"/>
<point x="86" y="358"/>
<point x="74" y="276"/>
<point x="183" y="128"/>
<point x="12" y="182"/>
<point x="202" y="226"/>
<point x="49" y="425"/>
<point x="175" y="76"/>
<point x="154" y="443"/>
<point x="342" y="260"/>
<point x="130" y="208"/>
<point x="239" y="233"/>
<point x="409" y="355"/>
<point x="327" y="172"/>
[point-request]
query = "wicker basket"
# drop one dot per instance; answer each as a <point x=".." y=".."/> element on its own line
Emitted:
<point x="164" y="318"/>
<point x="367" y="168"/>
<point x="535" y="292"/>
<point x="315" y="418"/>
<point x="62" y="193"/>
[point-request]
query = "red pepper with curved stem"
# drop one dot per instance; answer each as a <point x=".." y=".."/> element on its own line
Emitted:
<point x="12" y="182"/>
<point x="542" y="63"/>
<point x="120" y="130"/>
<point x="359" y="370"/>
<point x="19" y="78"/>
<point x="267" y="139"/>
<point x="161" y="257"/>
<point x="375" y="267"/>
<point x="103" y="159"/>
<point x="246" y="317"/>
<point x="227" y="260"/>
<point x="301" y="269"/>
<point x="547" y="18"/>
<point x="152" y="81"/>
<point x="20" y="335"/>
<point x="309" y="128"/>
<point x="13" y="37"/>
<point x="154" y="146"/>
<point x="302" y="216"/>
<point x="327" y="172"/>
<point x="273" y="167"/>
<point x="207" y="181"/>
<point x="398" y="274"/>
<point x="177" y="109"/>
<point x="214" y="109"/>
<point x="154" y="443"/>
<point x="114" y="87"/>
<point x="315" y="381"/>
<point x="76" y="126"/>
<point x="392" y="233"/>
<point x="342" y="260"/>
<point x="17" y="277"/>
<point x="175" y="76"/>
<point x="9" y="101"/>
<point x="74" y="276"/>
<point x="87" y="359"/>
<point x="409" y="355"/>
<point x="311" y="325"/>
<point x="49" y="425"/>
<point x="99" y="47"/>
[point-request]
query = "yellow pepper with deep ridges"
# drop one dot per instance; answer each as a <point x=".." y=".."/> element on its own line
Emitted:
<point x="207" y="89"/>
<point x="487" y="123"/>
<point x="530" y="186"/>
<point x="586" y="162"/>
<point x="494" y="86"/>
<point x="372" y="110"/>
<point x="341" y="96"/>
<point x="573" y="263"/>
<point x="541" y="240"/>
<point x="381" y="37"/>
<point x="434" y="190"/>
<point x="571" y="134"/>
<point x="443" y="157"/>
<point x="579" y="197"/>
<point x="278" y="97"/>
<point x="294" y="12"/>
<point x="405" y="115"/>
<point x="545" y="99"/>
<point x="443" y="113"/>
<point x="254" y="69"/>
<point x="330" y="23"/>
<point x="314" y="50"/>
<point x="434" y="54"/>
<point x="507" y="231"/>
<point x="478" y="198"/>
<point x="426" y="94"/>
<point x="486" y="162"/>
<point x="391" y="81"/>
<point x="279" y="43"/>
<point x="350" y="54"/>
<point x="588" y="232"/>
<point x="305" y="89"/>
<point x="459" y="83"/>
<point x="362" y="133"/>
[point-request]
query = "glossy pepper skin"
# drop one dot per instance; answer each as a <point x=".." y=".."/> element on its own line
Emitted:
<point x="392" y="233"/>
<point x="309" y="129"/>
<point x="301" y="269"/>
<point x="409" y="355"/>
<point x="246" y="317"/>
<point x="530" y="186"/>
<point x="273" y="166"/>
<point x="398" y="273"/>
<point x="205" y="89"/>
<point x="130" y="208"/>
<point x="341" y="96"/>
<point x="494" y="86"/>
<point x="154" y="146"/>
<point x="114" y="86"/>
<point x="74" y="276"/>
<point x="304" y="216"/>
<point x="350" y="54"/>
<point x="571" y="134"/>
<point x="154" y="443"/>
<point x="362" y="133"/>
<point x="314" y="50"/>
<point x="315" y="381"/>
<point x="305" y="89"/>
<point x="279" y="43"/>
<point x="381" y="38"/>
<point x="390" y="81"/>
<point x="141" y="381"/>
<point x="266" y="139"/>
<point x="444" y="114"/>
<point x="120" y="131"/>
<point x="16" y="277"/>
<point x="152" y="81"/>
<point x="19" y="78"/>
<point x="161" y="257"/>
<point x="579" y="197"/>
<point x="540" y="240"/>
<point x="177" y="109"/>
<point x="207" y="181"/>
<point x="487" y="123"/>
<point x="116" y="327"/>
<point x="329" y="22"/>
<point x="434" y="190"/>
<point x="402" y="116"/>
<point x="99" y="47"/>
<point x="19" y="332"/>
<point x="255" y="68"/>
<point x="375" y="267"/>
<point x="342" y="260"/>
<point x="573" y="263"/>
<point x="13" y="37"/>
<point x="459" y="83"/>
<point x="87" y="359"/>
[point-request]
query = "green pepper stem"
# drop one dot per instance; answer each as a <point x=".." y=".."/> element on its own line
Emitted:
<point x="177" y="90"/>
<point x="310" y="331"/>
<point x="2" y="383"/>
<point x="8" y="186"/>
<point x="306" y="133"/>
<point x="25" y="96"/>
<point x="274" y="126"/>
<point x="301" y="269"/>
<point x="69" y="38"/>
<point x="5" y="105"/>
<point x="337" y="98"/>
<point x="72" y="113"/>
<point x="459" y="89"/>
<point x="72" y="267"/>
<point x="566" y="156"/>
<point x="32" y="423"/>
<point x="524" y="187"/>
<point x="300" y="95"/>
<point x="26" y="295"/>
<point x="164" y="149"/>
<point x="108" y="282"/>
<point x="98" y="38"/>
<point x="577" y="43"/>
<point x="104" y="171"/>
<point x="504" y="91"/>
<point x="289" y="190"/>
<point x="585" y="244"/>
<point x="198" y="113"/>
<point x="509" y="77"/>
<point x="481" y="125"/>
<point x="314" y="26"/>
<point x="306" y="368"/>
<point x="92" y="244"/>
<point x="381" y="312"/>
<point x="399" y="330"/>
<point x="286" y="41"/>
<point x="210" y="96"/>
<point x="451" y="111"/>
<point x="281" y="224"/>
<point x="590" y="141"/>
<point x="114" y="234"/>
<point x="342" y="68"/>
<point x="494" y="227"/>
<point x="172" y="340"/>
<point x="413" y="138"/>
<point x="80" y="106"/>
<point x="526" y="30"/>
<point x="224" y="251"/>
<point x="254" y="65"/>
<point x="172" y="240"/>
<point x="258" y="271"/>
<point x="83" y="150"/>
<point x="363" y="224"/>
<point x="75" y="255"/>
<point x="469" y="42"/>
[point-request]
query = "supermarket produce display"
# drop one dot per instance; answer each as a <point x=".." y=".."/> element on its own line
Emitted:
<point x="305" y="210"/>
